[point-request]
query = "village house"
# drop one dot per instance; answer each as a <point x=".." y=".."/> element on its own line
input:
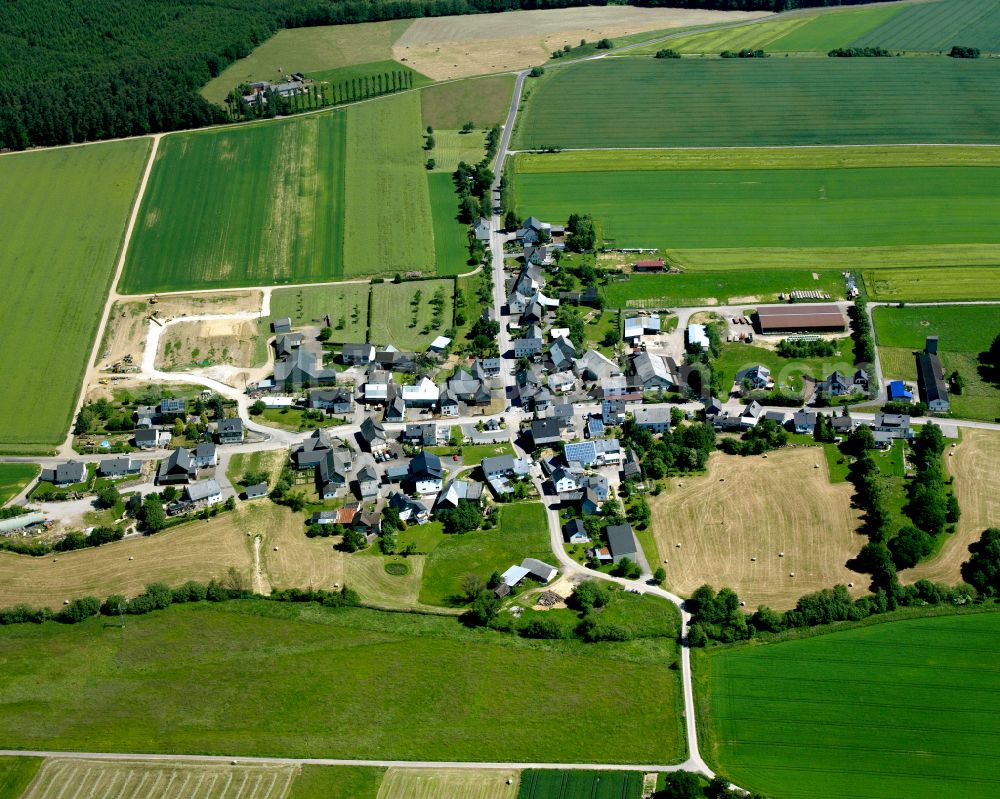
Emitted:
<point x="357" y="354"/>
<point x="931" y="374"/>
<point x="119" y="467"/>
<point x="426" y="473"/>
<point x="621" y="542"/>
<point x="256" y="491"/>
<point x="204" y="492"/>
<point x="205" y="455"/>
<point x="230" y="431"/>
<point x="69" y="473"/>
<point x="332" y="400"/>
<point x="456" y="491"/>
<point x="574" y="532"/>
<point x="373" y="434"/>
<point x="758" y="377"/>
<point x="655" y="418"/>
<point x="179" y="467"/>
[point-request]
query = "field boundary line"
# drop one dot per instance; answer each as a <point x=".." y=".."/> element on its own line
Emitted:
<point x="749" y="147"/>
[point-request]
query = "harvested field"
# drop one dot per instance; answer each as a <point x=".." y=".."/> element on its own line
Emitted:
<point x="452" y="47"/>
<point x="366" y="574"/>
<point x="484" y="101"/>
<point x="68" y="778"/>
<point x="449" y="784"/>
<point x="65" y="212"/>
<point x="646" y="102"/>
<point x="747" y="508"/>
<point x="219" y="342"/>
<point x="196" y="551"/>
<point x="402" y="314"/>
<point x="977" y="486"/>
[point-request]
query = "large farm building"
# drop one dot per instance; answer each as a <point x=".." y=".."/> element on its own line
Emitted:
<point x="800" y="318"/>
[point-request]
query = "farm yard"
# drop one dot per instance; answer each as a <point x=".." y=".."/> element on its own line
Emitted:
<point x="964" y="332"/>
<point x="68" y="778"/>
<point x="345" y="303"/>
<point x="906" y="708"/>
<point x="646" y="102"/>
<point x="197" y="551"/>
<point x="65" y="213"/>
<point x="908" y="207"/>
<point x="406" y="314"/>
<point x="973" y="465"/>
<point x="711" y="527"/>
<point x="449" y="784"/>
<point x="233" y="678"/>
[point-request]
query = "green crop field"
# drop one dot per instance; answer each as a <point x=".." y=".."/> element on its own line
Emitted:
<point x="827" y="31"/>
<point x="522" y="533"/>
<point x="925" y="285"/>
<point x="964" y="331"/>
<point x="537" y="784"/>
<point x="451" y="237"/>
<point x="263" y="678"/>
<point x="15" y="774"/>
<point x="776" y="208"/>
<point x="938" y="26"/>
<point x="405" y="319"/>
<point x="13" y="478"/>
<point x="337" y="782"/>
<point x="645" y="102"/>
<point x="483" y="101"/>
<point x="309" y="199"/>
<point x="243" y="206"/>
<point x="65" y="213"/>
<point x="695" y="288"/>
<point x="346" y="304"/>
<point x="755" y="35"/>
<point x="388" y="225"/>
<point x="906" y="708"/>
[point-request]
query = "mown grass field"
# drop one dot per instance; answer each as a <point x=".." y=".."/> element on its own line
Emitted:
<point x="484" y="101"/>
<point x="827" y="31"/>
<point x="13" y="478"/>
<point x="256" y="678"/>
<point x="252" y="205"/>
<point x="346" y="304"/>
<point x="645" y="102"/>
<point x="449" y="784"/>
<point x="388" y="224"/>
<point x="938" y="26"/>
<point x="368" y="70"/>
<point x="963" y="331"/>
<point x="451" y="237"/>
<point x="522" y="533"/>
<point x="906" y="708"/>
<point x="718" y="287"/>
<point x="402" y="318"/>
<point x="767" y="208"/>
<point x="537" y="784"/>
<point x="65" y="213"/>
<point x="930" y="285"/>
<point x="64" y="777"/>
<point x="759" y="34"/>
<point x="15" y="774"/>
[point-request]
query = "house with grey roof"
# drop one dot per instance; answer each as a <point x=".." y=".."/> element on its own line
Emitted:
<point x="655" y="418"/>
<point x="426" y="473"/>
<point x="621" y="542"/>
<point x="146" y="438"/>
<point x="179" y="467"/>
<point x="282" y="325"/>
<point x="651" y="372"/>
<point x="256" y="491"/>
<point x="931" y="374"/>
<point x="574" y="532"/>
<point x="455" y="491"/>
<point x="758" y="377"/>
<point x="546" y="431"/>
<point x="312" y="450"/>
<point x="594" y="366"/>
<point x="498" y="465"/>
<point x="204" y="492"/>
<point x="333" y="472"/>
<point x="303" y="366"/>
<point x="357" y="354"/>
<point x="374" y="436"/>
<point x="804" y="421"/>
<point x="367" y="478"/>
<point x="68" y="473"/>
<point x="230" y="431"/>
<point x="121" y="466"/>
<point x="205" y="455"/>
<point x="333" y="400"/>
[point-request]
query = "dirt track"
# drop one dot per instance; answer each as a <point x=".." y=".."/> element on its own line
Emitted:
<point x="977" y="485"/>
<point x="755" y="508"/>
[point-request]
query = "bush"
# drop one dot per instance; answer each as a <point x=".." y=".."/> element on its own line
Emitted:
<point x="542" y="628"/>
<point x="667" y="53"/>
<point x="79" y="609"/>
<point x="628" y="569"/>
<point x="590" y="594"/>
<point x="964" y="52"/>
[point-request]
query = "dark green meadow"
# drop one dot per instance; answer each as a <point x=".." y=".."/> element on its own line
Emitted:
<point x="899" y="709"/>
<point x="262" y="678"/>
<point x="646" y="102"/>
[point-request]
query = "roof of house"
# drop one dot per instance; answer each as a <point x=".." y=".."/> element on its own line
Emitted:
<point x="546" y="428"/>
<point x="621" y="540"/>
<point x="203" y="489"/>
<point x="648" y="367"/>
<point x="233" y="425"/>
<point x="426" y="466"/>
<point x="206" y="449"/>
<point x="540" y="569"/>
<point x="372" y="430"/>
<point x="256" y="490"/>
<point x="180" y="459"/>
<point x="651" y="414"/>
<point x="146" y="435"/>
<point x="498" y="463"/>
<point x="897" y="388"/>
<point x="574" y="526"/>
<point x="581" y="452"/>
<point x="804" y="418"/>
<point x="932" y="377"/>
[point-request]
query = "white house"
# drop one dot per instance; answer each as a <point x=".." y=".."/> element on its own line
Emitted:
<point x="206" y="492"/>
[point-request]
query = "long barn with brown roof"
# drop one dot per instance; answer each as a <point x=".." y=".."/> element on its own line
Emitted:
<point x="797" y="318"/>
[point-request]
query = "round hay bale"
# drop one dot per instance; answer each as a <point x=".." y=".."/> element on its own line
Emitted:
<point x="753" y="560"/>
<point x="781" y="554"/>
<point x="791" y="574"/>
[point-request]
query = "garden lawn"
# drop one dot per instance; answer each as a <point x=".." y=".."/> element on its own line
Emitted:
<point x="902" y="708"/>
<point x="646" y="102"/>
<point x="786" y="372"/>
<point x="522" y="533"/>
<point x="388" y="226"/>
<point x="13" y="478"/>
<point x="345" y="303"/>
<point x="695" y="288"/>
<point x="451" y="237"/>
<point x="776" y="208"/>
<point x="402" y="317"/>
<point x="65" y="213"/>
<point x="483" y="101"/>
<point x="250" y="205"/>
<point x="929" y="285"/>
<point x="261" y="678"/>
<point x="939" y="26"/>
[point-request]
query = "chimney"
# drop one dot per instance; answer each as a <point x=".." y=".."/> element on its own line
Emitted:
<point x="931" y="346"/>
